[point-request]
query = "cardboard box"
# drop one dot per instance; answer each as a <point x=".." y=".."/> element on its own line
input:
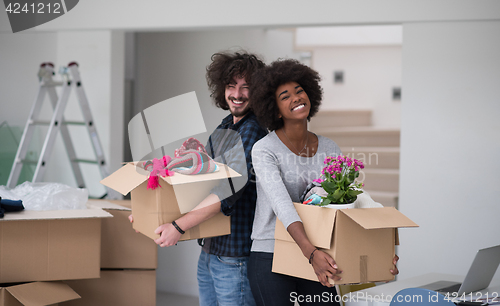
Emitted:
<point x="177" y="195"/>
<point x="362" y="242"/>
<point x="50" y="245"/>
<point x="116" y="287"/>
<point x="37" y="293"/>
<point x="121" y="246"/>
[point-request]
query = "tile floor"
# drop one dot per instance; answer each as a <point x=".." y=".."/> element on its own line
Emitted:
<point x="172" y="299"/>
<point x="167" y="299"/>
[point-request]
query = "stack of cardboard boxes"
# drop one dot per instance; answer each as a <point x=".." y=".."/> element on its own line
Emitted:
<point x="76" y="257"/>
<point x="39" y="249"/>
<point x="128" y="264"/>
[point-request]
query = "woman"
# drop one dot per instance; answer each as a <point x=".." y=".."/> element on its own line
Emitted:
<point x="284" y="96"/>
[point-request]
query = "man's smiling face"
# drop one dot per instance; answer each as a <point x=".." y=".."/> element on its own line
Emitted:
<point x="237" y="97"/>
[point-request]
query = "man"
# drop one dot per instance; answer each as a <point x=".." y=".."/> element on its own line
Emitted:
<point x="222" y="266"/>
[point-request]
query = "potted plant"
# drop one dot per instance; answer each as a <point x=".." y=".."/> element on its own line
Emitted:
<point x="338" y="179"/>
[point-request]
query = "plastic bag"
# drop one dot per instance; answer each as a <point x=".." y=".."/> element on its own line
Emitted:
<point x="47" y="196"/>
<point x="364" y="200"/>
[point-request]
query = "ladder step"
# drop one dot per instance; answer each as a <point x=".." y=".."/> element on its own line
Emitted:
<point x="74" y="123"/>
<point x="51" y="84"/>
<point x="88" y="161"/>
<point x="29" y="162"/>
<point x="44" y="122"/>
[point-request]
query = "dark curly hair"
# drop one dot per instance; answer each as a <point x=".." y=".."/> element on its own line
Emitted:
<point x="266" y="81"/>
<point x="224" y="68"/>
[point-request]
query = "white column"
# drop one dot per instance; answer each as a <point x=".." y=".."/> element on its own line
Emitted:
<point x="449" y="144"/>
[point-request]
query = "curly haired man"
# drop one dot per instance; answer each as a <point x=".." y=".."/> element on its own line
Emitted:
<point x="222" y="266"/>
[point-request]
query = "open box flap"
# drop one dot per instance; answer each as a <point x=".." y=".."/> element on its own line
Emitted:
<point x="223" y="173"/>
<point x="56" y="214"/>
<point x="383" y="217"/>
<point x="103" y="204"/>
<point x="126" y="178"/>
<point x="42" y="293"/>
<point x="318" y="226"/>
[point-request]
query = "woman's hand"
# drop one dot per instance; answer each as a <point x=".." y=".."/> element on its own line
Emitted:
<point x="169" y="235"/>
<point x="323" y="264"/>
<point x="325" y="267"/>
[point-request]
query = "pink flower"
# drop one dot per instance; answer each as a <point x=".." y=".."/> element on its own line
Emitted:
<point x="319" y="180"/>
<point x="329" y="169"/>
<point x="360" y="164"/>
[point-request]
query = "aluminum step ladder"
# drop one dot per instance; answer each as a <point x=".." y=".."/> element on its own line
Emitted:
<point x="71" y="79"/>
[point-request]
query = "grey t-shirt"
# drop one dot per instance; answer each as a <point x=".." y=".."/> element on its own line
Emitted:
<point x="282" y="177"/>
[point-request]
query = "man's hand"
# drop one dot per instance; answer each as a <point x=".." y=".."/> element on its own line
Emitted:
<point x="395" y="270"/>
<point x="325" y="267"/>
<point x="131" y="219"/>
<point x="169" y="235"/>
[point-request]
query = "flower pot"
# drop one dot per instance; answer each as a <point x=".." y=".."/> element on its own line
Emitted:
<point x="340" y="206"/>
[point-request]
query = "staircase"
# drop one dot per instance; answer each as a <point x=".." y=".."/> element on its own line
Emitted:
<point x="377" y="148"/>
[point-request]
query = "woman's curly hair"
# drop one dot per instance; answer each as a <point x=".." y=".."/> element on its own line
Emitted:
<point x="266" y="81"/>
<point x="224" y="68"/>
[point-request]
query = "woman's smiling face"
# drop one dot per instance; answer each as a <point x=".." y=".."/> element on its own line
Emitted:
<point x="293" y="102"/>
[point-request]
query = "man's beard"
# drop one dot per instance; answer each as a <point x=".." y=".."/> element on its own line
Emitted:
<point x="241" y="112"/>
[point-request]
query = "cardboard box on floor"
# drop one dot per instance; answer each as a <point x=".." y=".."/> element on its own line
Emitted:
<point x="116" y="287"/>
<point x="362" y="242"/>
<point x="121" y="246"/>
<point x="50" y="245"/>
<point x="177" y="195"/>
<point x="37" y="293"/>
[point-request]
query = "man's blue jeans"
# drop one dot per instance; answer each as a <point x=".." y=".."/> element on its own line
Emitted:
<point x="223" y="281"/>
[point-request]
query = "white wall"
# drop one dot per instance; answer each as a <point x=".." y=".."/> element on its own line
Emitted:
<point x="380" y="35"/>
<point x="20" y="58"/>
<point x="170" y="64"/>
<point x="370" y="73"/>
<point x="449" y="144"/>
